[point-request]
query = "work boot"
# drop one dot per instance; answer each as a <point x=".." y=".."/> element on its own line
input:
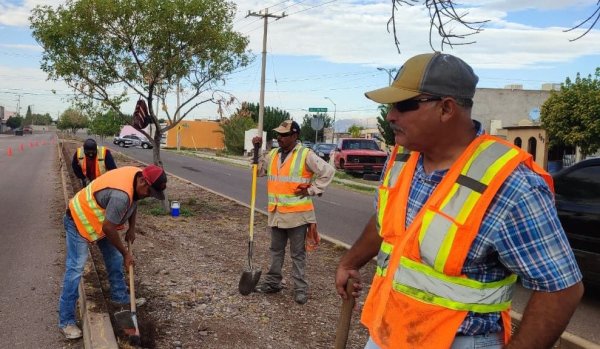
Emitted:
<point x="71" y="331"/>
<point x="268" y="288"/>
<point x="300" y="298"/>
<point x="138" y="303"/>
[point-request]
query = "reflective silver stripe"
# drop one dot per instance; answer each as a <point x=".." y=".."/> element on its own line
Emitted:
<point x="397" y="167"/>
<point x="298" y="164"/>
<point x="434" y="237"/>
<point x="454" y="289"/>
<point x="284" y="200"/>
<point x="288" y="179"/>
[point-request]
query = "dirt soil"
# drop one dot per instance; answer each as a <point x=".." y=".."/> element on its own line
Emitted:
<point x="188" y="269"/>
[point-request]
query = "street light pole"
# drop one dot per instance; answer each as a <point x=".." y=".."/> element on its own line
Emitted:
<point x="334" y="111"/>
<point x="390" y="73"/>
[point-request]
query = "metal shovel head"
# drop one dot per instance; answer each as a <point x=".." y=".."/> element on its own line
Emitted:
<point x="124" y="320"/>
<point x="248" y="281"/>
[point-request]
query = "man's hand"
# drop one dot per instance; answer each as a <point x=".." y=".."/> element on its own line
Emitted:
<point x="341" y="278"/>
<point x="130" y="235"/>
<point x="128" y="259"/>
<point x="302" y="190"/>
<point x="257" y="140"/>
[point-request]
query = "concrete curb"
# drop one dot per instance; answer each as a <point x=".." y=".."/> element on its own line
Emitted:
<point x="98" y="332"/>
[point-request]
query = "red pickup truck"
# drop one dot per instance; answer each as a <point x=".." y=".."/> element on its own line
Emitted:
<point x="359" y="155"/>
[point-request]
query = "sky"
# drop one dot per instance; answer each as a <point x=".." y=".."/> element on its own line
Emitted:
<point x="333" y="48"/>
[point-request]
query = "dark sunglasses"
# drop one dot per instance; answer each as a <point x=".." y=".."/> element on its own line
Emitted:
<point x="413" y="104"/>
<point x="285" y="134"/>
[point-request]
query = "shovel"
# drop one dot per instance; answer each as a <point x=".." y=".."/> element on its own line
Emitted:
<point x="127" y="319"/>
<point x="343" y="325"/>
<point x="250" y="276"/>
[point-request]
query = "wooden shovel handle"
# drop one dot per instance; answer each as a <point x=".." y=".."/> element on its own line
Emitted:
<point x="131" y="284"/>
<point x="343" y="325"/>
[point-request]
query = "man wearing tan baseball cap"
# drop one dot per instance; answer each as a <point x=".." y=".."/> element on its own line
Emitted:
<point x="459" y="216"/>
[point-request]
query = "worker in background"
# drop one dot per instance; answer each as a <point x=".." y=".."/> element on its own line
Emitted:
<point x="91" y="161"/>
<point x="460" y="215"/>
<point x="294" y="174"/>
<point x="93" y="215"/>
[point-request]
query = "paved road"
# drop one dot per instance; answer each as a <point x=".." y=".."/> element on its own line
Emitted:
<point x="32" y="246"/>
<point x="341" y="214"/>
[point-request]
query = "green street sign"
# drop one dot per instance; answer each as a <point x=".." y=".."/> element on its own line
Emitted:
<point x="317" y="110"/>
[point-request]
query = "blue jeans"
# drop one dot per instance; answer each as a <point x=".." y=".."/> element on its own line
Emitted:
<point x="77" y="253"/>
<point x="486" y="341"/>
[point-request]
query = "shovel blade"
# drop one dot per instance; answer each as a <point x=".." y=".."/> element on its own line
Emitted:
<point x="248" y="281"/>
<point x="124" y="320"/>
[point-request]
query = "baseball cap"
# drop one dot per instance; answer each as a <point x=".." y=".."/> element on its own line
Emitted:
<point x="288" y="126"/>
<point x="438" y="74"/>
<point x="157" y="178"/>
<point x="90" y="144"/>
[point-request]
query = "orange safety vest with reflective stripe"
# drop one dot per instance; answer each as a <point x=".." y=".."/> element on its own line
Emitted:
<point x="85" y="210"/>
<point x="283" y="181"/>
<point x="100" y="165"/>
<point x="419" y="296"/>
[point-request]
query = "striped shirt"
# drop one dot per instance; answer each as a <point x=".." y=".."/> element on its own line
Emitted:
<point x="520" y="234"/>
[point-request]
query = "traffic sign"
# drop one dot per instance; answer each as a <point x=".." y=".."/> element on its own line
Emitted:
<point x="317" y="123"/>
<point x="317" y="110"/>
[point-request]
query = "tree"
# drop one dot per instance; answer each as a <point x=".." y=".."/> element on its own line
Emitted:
<point x="14" y="122"/>
<point x="151" y="48"/>
<point x="28" y="117"/>
<point x="107" y="124"/>
<point x="384" y="127"/>
<point x="234" y="129"/>
<point x="307" y="133"/>
<point x="355" y="130"/>
<point x="72" y="119"/>
<point x="272" y="117"/>
<point x="571" y="116"/>
<point x="41" y="119"/>
<point x="452" y="26"/>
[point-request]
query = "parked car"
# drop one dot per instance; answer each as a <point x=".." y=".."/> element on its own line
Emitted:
<point x="359" y="155"/>
<point x="123" y="142"/>
<point x="28" y="130"/>
<point x="19" y="131"/>
<point x="323" y="150"/>
<point x="577" y="191"/>
<point x="132" y="141"/>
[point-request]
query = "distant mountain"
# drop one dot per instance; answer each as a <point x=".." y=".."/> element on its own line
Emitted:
<point x="343" y="124"/>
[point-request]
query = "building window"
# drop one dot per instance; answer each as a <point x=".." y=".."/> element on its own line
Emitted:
<point x="531" y="147"/>
<point x="518" y="142"/>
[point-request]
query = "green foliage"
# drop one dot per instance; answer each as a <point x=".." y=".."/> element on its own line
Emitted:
<point x="72" y="119"/>
<point x="14" y="122"/>
<point x="106" y="50"/>
<point x="233" y="130"/>
<point x="384" y="127"/>
<point x="572" y="116"/>
<point x="307" y="133"/>
<point x="354" y="130"/>
<point x="41" y="119"/>
<point x="272" y="117"/>
<point x="107" y="124"/>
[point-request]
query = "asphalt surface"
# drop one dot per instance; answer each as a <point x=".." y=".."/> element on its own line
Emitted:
<point x="32" y="247"/>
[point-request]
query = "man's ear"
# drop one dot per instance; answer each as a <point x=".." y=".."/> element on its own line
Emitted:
<point x="449" y="109"/>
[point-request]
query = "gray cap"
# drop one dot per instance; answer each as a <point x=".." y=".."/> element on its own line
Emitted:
<point x="437" y="74"/>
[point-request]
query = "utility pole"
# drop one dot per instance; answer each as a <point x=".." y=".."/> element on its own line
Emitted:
<point x="334" y="111"/>
<point x="261" y="107"/>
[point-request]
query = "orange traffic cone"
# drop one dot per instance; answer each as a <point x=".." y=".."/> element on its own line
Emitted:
<point x="9" y="151"/>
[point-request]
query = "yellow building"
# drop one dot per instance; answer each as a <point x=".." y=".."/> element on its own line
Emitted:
<point x="196" y="134"/>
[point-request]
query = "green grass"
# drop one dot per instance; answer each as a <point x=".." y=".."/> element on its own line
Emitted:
<point x="155" y="208"/>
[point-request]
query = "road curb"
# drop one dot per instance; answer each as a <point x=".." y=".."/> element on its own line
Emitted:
<point x="97" y="329"/>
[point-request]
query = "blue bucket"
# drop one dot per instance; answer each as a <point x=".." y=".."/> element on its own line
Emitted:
<point x="175" y="208"/>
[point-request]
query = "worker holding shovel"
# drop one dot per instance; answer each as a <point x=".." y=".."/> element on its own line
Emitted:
<point x="295" y="173"/>
<point x="93" y="215"/>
